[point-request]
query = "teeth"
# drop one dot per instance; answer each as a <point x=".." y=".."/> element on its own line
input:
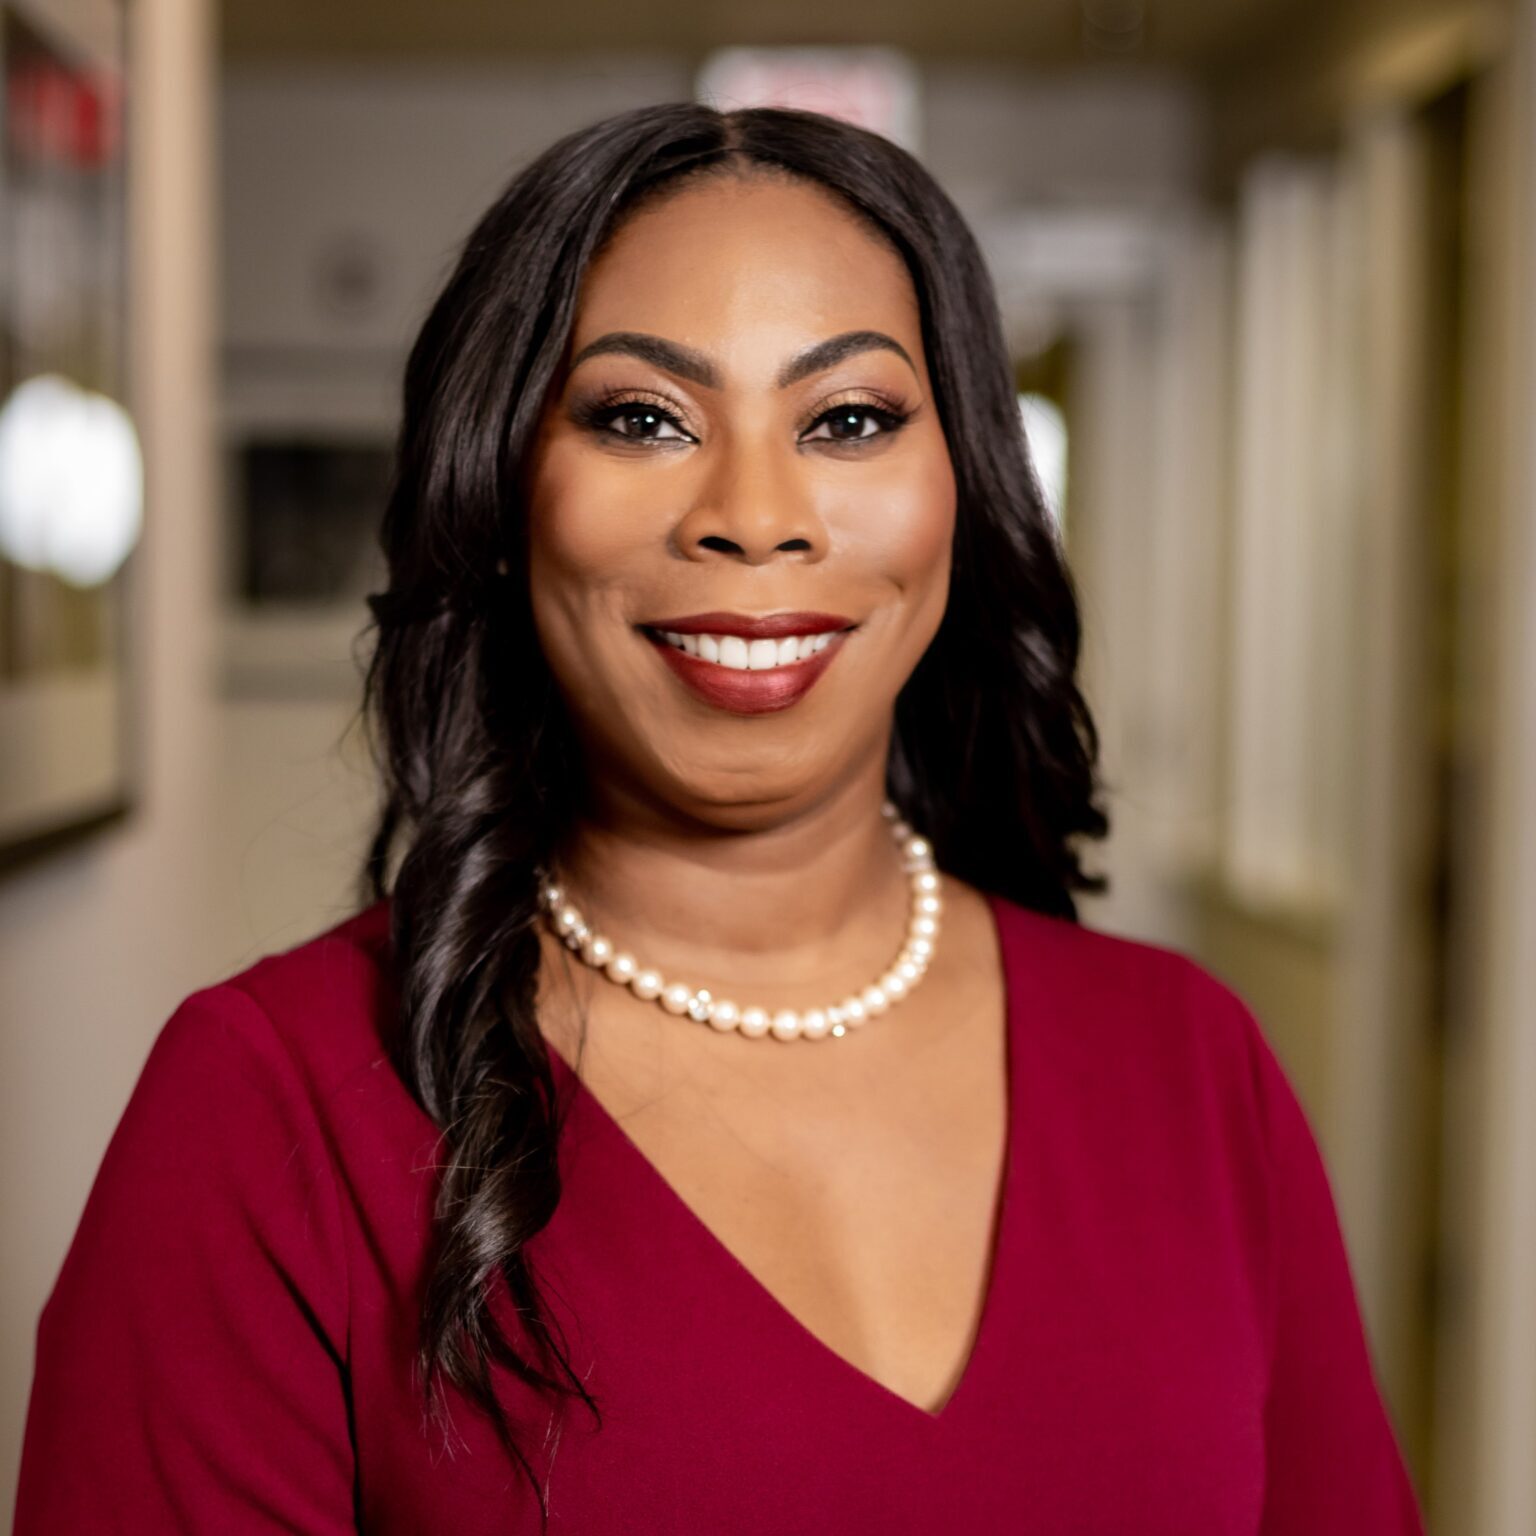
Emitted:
<point x="748" y="655"/>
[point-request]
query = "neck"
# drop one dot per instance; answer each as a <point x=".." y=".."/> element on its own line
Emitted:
<point x="793" y="906"/>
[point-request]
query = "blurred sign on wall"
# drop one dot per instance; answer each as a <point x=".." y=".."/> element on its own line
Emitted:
<point x="877" y="88"/>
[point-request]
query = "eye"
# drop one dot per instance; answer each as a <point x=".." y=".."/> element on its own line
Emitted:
<point x="640" y="421"/>
<point x="851" y="423"/>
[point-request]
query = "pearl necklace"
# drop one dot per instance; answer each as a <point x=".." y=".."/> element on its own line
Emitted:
<point x="677" y="997"/>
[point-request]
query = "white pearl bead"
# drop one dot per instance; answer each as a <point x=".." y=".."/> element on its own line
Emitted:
<point x="754" y="1022"/>
<point x="786" y="1024"/>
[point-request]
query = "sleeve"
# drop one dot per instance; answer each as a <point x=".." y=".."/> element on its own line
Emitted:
<point x="190" y="1367"/>
<point x="1334" y="1465"/>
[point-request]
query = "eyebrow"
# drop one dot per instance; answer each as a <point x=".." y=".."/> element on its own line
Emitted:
<point x="686" y="363"/>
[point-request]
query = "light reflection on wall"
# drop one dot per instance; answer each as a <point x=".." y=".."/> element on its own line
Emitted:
<point x="71" y="481"/>
<point x="1045" y="429"/>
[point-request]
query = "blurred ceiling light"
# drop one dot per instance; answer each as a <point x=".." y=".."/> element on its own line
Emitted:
<point x="1113" y="26"/>
<point x="71" y="481"/>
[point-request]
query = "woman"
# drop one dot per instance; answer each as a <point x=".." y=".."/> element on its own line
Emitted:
<point x="685" y="1138"/>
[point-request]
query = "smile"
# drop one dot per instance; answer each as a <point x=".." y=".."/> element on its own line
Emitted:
<point x="747" y="655"/>
<point x="749" y="666"/>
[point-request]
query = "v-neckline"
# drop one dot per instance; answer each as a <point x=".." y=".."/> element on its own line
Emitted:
<point x="998" y="1258"/>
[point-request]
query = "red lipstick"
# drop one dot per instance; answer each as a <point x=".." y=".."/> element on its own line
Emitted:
<point x="749" y="692"/>
<point x="773" y="626"/>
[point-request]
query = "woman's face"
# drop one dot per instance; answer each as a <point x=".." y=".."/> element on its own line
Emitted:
<point x="743" y="429"/>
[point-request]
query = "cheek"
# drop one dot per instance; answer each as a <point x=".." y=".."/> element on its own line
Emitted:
<point x="905" y="526"/>
<point x="928" y="528"/>
<point x="584" y="540"/>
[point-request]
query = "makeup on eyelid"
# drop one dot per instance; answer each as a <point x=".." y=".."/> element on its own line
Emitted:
<point x="597" y="415"/>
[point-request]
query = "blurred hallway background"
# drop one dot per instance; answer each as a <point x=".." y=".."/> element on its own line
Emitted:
<point x="1266" y="270"/>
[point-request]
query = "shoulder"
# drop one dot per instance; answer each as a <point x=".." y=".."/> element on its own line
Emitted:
<point x="1157" y="1063"/>
<point x="246" y="1071"/>
<point x="321" y="1005"/>
<point x="1144" y="1012"/>
<point x="223" y="1152"/>
<point x="207" y="1289"/>
<point x="280" y="1032"/>
<point x="1135" y="978"/>
<point x="283" y="1054"/>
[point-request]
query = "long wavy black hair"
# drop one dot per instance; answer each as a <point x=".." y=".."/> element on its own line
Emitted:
<point x="993" y="754"/>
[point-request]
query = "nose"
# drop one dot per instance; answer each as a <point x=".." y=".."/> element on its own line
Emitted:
<point x="752" y="507"/>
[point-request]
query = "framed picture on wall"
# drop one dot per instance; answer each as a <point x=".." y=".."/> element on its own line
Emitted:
<point x="71" y="474"/>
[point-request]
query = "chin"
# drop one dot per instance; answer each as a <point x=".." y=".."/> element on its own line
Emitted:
<point x="735" y="790"/>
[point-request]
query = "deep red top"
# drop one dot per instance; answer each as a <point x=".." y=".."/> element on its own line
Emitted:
<point x="1170" y="1343"/>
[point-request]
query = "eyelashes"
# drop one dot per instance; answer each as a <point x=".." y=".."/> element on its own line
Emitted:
<point x="649" y="414"/>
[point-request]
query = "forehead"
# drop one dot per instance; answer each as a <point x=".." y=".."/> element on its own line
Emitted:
<point x="734" y="263"/>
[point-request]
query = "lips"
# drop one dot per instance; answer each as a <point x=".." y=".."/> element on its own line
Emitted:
<point x="753" y="688"/>
<point x="773" y="626"/>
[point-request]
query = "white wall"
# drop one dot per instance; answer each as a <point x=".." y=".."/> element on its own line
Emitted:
<point x="1002" y="137"/>
<point x="394" y="163"/>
